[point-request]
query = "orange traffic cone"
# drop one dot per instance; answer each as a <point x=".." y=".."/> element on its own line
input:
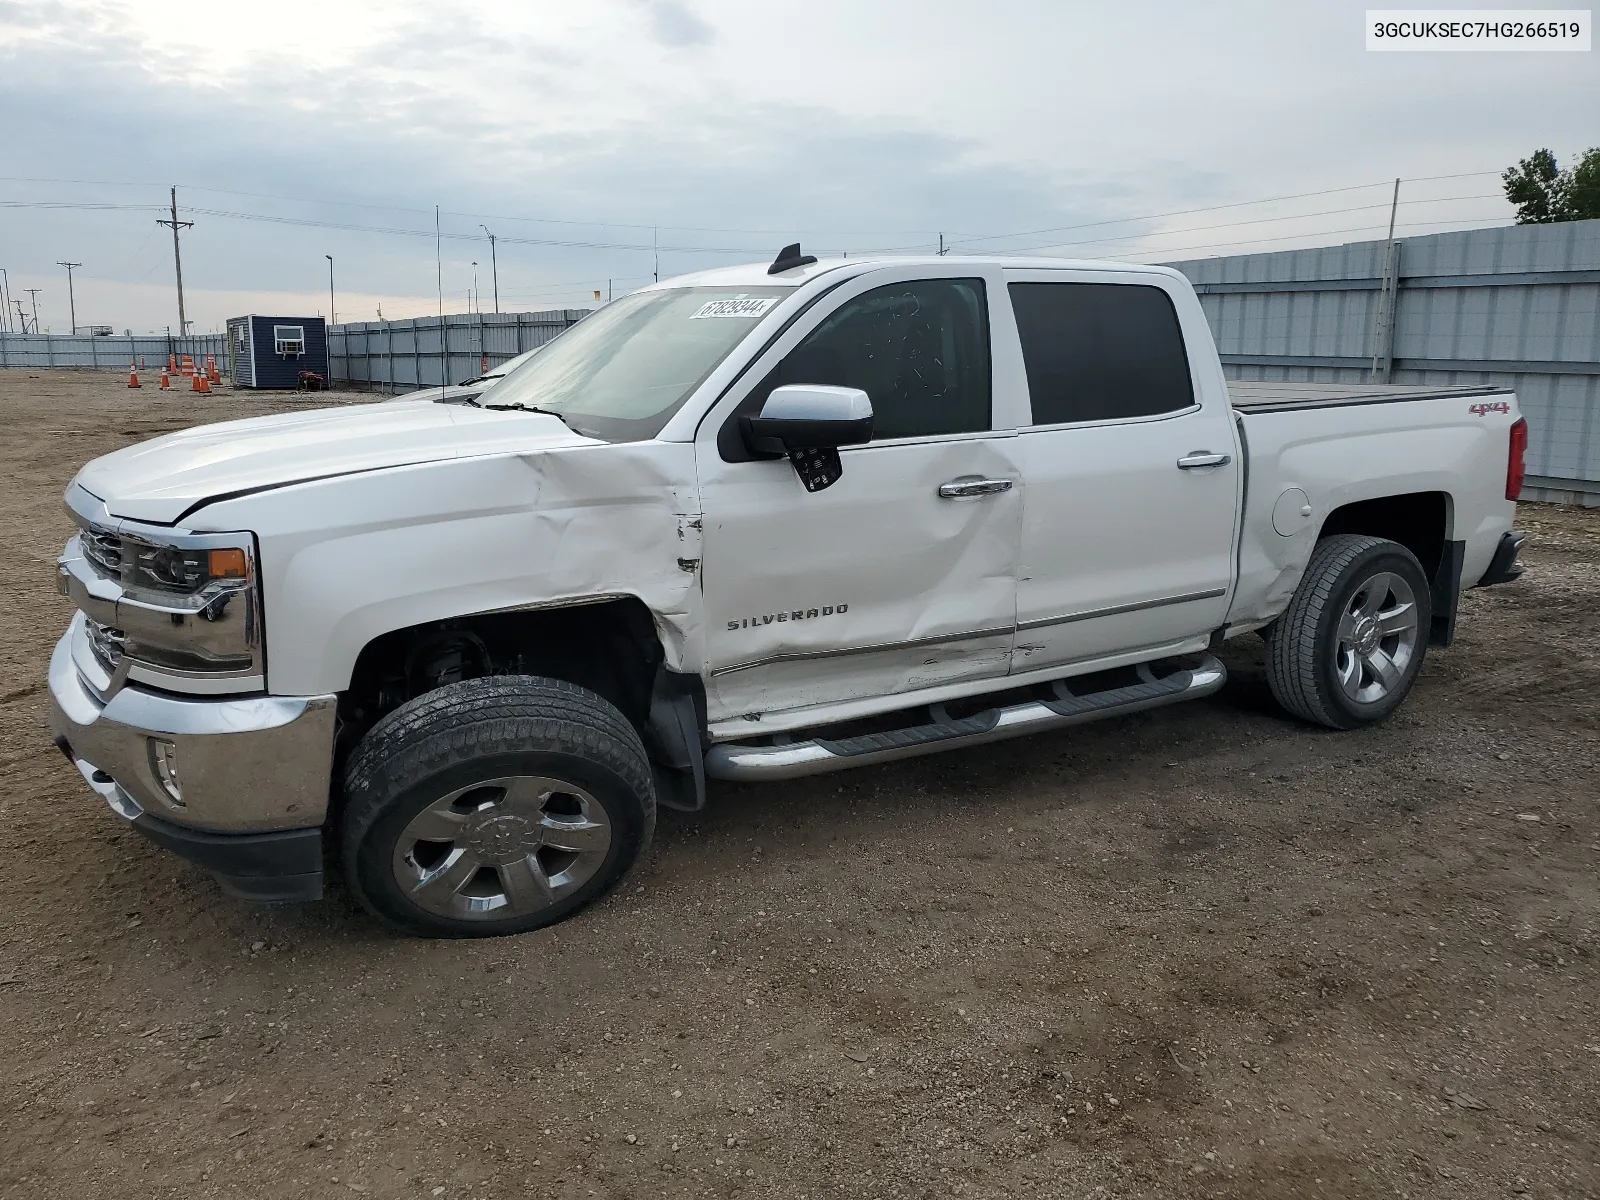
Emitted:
<point x="194" y="383"/>
<point x="133" y="376"/>
<point x="172" y="363"/>
<point x="166" y="381"/>
<point x="203" y="384"/>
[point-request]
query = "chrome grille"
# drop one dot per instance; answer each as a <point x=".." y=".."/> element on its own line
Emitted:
<point x="104" y="550"/>
<point x="106" y="643"/>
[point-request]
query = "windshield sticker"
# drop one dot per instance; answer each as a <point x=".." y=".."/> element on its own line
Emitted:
<point x="739" y="306"/>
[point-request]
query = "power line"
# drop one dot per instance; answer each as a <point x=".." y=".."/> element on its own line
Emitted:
<point x="1289" y="237"/>
<point x="1327" y="212"/>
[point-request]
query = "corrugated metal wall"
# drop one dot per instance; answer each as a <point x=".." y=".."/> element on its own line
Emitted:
<point x="1517" y="306"/>
<point x="400" y="355"/>
<point x="112" y="353"/>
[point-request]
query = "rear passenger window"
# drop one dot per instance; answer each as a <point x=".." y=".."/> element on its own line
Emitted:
<point x="1100" y="351"/>
<point x="919" y="350"/>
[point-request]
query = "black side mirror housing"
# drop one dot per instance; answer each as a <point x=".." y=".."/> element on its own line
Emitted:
<point x="807" y="416"/>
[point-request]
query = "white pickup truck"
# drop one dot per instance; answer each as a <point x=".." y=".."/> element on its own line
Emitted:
<point x="747" y="524"/>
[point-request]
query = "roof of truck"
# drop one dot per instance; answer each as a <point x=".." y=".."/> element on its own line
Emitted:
<point x="755" y="274"/>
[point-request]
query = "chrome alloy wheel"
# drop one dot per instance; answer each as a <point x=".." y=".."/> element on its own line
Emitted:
<point x="1377" y="638"/>
<point x="502" y="848"/>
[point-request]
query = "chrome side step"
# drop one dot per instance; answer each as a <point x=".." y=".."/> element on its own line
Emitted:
<point x="1057" y="705"/>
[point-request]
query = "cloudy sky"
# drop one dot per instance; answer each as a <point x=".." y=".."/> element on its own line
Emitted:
<point x="585" y="134"/>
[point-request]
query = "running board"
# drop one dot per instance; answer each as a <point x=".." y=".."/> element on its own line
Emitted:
<point x="1056" y="706"/>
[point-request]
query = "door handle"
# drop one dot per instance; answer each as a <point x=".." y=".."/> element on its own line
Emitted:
<point x="1202" y="458"/>
<point x="973" y="485"/>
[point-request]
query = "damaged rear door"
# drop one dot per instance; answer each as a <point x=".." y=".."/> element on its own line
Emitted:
<point x="902" y="573"/>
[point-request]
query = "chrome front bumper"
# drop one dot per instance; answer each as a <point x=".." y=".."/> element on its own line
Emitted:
<point x="245" y="765"/>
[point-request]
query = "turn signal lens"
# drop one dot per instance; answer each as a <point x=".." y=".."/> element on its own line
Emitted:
<point x="227" y="564"/>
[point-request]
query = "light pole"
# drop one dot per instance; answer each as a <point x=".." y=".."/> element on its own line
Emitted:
<point x="494" y="265"/>
<point x="329" y="257"/>
<point x="71" y="302"/>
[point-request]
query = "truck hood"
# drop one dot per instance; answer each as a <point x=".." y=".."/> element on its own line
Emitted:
<point x="162" y="479"/>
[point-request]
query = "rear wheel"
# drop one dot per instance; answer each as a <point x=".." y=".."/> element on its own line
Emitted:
<point x="1349" y="646"/>
<point x="494" y="806"/>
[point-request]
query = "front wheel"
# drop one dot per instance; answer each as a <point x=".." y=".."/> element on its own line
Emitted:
<point x="494" y="806"/>
<point x="1349" y="646"/>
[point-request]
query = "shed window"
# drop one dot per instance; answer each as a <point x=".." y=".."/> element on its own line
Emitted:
<point x="289" y="340"/>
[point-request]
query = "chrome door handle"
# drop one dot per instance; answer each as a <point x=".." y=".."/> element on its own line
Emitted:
<point x="1190" y="462"/>
<point x="973" y="485"/>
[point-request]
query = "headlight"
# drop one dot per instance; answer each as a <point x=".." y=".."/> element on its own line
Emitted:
<point x="171" y="569"/>
<point x="175" y="609"/>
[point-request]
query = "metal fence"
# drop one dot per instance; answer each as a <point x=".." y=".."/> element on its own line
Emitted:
<point x="109" y="353"/>
<point x="1516" y="307"/>
<point x="425" y="351"/>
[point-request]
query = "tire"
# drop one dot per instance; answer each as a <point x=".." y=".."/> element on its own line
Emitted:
<point x="1342" y="654"/>
<point x="494" y="806"/>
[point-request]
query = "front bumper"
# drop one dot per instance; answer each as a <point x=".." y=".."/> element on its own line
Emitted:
<point x="254" y="773"/>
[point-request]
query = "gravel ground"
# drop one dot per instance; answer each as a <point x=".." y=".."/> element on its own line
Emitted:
<point x="1203" y="951"/>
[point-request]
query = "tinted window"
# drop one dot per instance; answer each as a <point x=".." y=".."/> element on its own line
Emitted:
<point x="919" y="350"/>
<point x="1100" y="351"/>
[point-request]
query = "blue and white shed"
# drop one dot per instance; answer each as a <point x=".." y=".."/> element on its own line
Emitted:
<point x="270" y="352"/>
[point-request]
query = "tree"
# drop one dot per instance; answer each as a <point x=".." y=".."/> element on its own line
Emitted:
<point x="1583" y="187"/>
<point x="1543" y="192"/>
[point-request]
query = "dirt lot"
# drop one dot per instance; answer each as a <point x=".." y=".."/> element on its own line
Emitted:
<point x="1204" y="951"/>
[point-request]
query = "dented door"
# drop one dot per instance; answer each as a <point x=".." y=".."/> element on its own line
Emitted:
<point x="877" y="585"/>
<point x="899" y="576"/>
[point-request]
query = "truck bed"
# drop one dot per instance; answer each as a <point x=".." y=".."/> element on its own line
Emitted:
<point x="1264" y="396"/>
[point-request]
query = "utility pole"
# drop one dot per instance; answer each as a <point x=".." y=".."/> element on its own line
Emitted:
<point x="33" y="295"/>
<point x="177" y="259"/>
<point x="941" y="245"/>
<point x="5" y="300"/>
<point x="22" y="317"/>
<point x="329" y="257"/>
<point x="494" y="265"/>
<point x="655" y="249"/>
<point x="72" y="303"/>
<point x="1388" y="296"/>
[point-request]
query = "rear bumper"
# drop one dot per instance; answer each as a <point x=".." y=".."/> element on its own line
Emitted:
<point x="1505" y="566"/>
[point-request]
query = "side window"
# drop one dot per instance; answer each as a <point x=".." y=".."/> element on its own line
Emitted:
<point x="1100" y="351"/>
<point x="919" y="350"/>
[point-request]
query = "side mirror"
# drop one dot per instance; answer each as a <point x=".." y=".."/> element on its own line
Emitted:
<point x="807" y="416"/>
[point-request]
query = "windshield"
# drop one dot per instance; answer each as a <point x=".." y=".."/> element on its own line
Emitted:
<point x="620" y="373"/>
<point x="498" y="372"/>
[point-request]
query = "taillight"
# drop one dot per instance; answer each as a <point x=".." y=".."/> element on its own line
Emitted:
<point x="1516" y="466"/>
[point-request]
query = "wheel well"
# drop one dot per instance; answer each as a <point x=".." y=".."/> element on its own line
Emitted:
<point x="610" y="648"/>
<point x="1417" y="520"/>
